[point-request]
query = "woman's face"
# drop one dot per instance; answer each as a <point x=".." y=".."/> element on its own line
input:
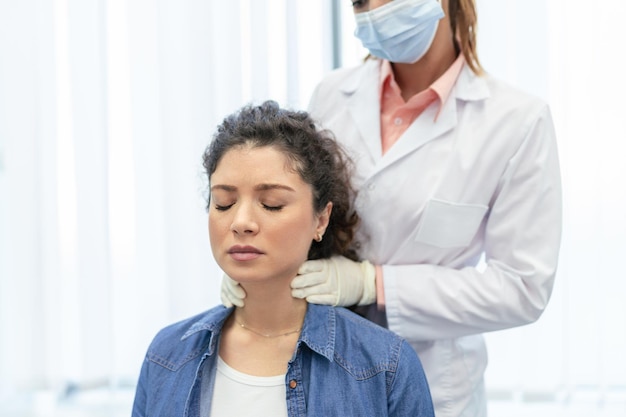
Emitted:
<point x="261" y="217"/>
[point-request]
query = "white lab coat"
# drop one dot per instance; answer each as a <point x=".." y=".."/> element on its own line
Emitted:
<point x="483" y="179"/>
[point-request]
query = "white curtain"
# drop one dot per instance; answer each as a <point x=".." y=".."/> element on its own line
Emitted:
<point x="105" y="109"/>
<point x="572" y="361"/>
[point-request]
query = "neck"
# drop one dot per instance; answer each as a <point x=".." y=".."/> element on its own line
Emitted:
<point x="417" y="77"/>
<point x="272" y="321"/>
<point x="270" y="310"/>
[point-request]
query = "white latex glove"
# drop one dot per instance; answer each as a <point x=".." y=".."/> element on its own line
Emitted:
<point x="336" y="281"/>
<point x="232" y="294"/>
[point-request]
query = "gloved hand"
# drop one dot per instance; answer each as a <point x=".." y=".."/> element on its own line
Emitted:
<point x="232" y="294"/>
<point x="336" y="281"/>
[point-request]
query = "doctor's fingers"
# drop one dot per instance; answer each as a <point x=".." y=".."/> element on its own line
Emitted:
<point x="229" y="300"/>
<point x="309" y="279"/>
<point x="232" y="293"/>
<point x="317" y="265"/>
<point x="327" y="299"/>
<point x="306" y="292"/>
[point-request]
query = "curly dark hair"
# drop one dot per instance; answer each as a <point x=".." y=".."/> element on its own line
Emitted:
<point x="315" y="155"/>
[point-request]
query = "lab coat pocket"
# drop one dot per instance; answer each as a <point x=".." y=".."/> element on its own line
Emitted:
<point x="449" y="225"/>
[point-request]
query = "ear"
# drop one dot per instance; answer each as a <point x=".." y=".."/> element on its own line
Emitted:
<point x="323" y="218"/>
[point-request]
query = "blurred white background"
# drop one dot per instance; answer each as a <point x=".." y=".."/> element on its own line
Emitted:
<point x="106" y="107"/>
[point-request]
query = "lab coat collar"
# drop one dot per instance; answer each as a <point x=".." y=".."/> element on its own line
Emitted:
<point x="364" y="88"/>
<point x="318" y="330"/>
<point x="471" y="87"/>
<point x="363" y="102"/>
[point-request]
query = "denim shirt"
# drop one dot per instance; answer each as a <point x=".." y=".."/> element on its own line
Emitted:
<point x="343" y="365"/>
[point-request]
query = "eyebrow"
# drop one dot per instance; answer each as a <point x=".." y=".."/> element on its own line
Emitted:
<point x="260" y="187"/>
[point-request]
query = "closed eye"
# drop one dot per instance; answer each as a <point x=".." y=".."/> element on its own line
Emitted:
<point x="272" y="208"/>
<point x="223" y="208"/>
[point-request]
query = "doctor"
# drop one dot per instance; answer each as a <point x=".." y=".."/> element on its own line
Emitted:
<point x="452" y="165"/>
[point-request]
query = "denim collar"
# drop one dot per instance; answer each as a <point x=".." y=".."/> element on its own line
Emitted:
<point x="318" y="331"/>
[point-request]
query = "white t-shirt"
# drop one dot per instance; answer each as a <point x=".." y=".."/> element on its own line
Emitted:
<point x="243" y="395"/>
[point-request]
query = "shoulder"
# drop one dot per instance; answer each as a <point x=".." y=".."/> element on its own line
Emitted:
<point x="350" y="321"/>
<point x="181" y="341"/>
<point x="339" y="85"/>
<point x="340" y="74"/>
<point x="485" y="90"/>
<point x="353" y="325"/>
<point x="500" y="110"/>
<point x="182" y="329"/>
<point x="347" y="79"/>
<point x="504" y="98"/>
<point x="362" y="340"/>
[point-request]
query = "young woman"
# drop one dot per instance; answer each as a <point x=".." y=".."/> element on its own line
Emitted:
<point x="452" y="166"/>
<point x="279" y="195"/>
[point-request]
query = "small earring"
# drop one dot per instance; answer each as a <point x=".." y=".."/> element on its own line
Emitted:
<point x="318" y="237"/>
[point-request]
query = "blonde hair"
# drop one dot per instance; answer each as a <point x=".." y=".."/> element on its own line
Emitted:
<point x="463" y="21"/>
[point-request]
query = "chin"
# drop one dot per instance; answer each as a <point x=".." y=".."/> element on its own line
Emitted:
<point x="251" y="274"/>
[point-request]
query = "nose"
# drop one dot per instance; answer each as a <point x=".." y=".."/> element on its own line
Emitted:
<point x="244" y="220"/>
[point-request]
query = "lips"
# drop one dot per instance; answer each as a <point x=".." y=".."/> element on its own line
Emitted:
<point x="244" y="253"/>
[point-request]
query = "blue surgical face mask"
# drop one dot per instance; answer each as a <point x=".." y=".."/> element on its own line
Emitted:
<point x="401" y="30"/>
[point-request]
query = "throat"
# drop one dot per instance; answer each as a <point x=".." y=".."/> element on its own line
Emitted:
<point x="269" y="335"/>
<point x="262" y="351"/>
<point x="279" y="318"/>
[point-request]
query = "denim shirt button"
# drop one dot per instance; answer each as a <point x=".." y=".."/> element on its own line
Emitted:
<point x="293" y="384"/>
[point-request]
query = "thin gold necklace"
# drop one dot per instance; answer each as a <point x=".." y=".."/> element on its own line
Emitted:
<point x="269" y="336"/>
